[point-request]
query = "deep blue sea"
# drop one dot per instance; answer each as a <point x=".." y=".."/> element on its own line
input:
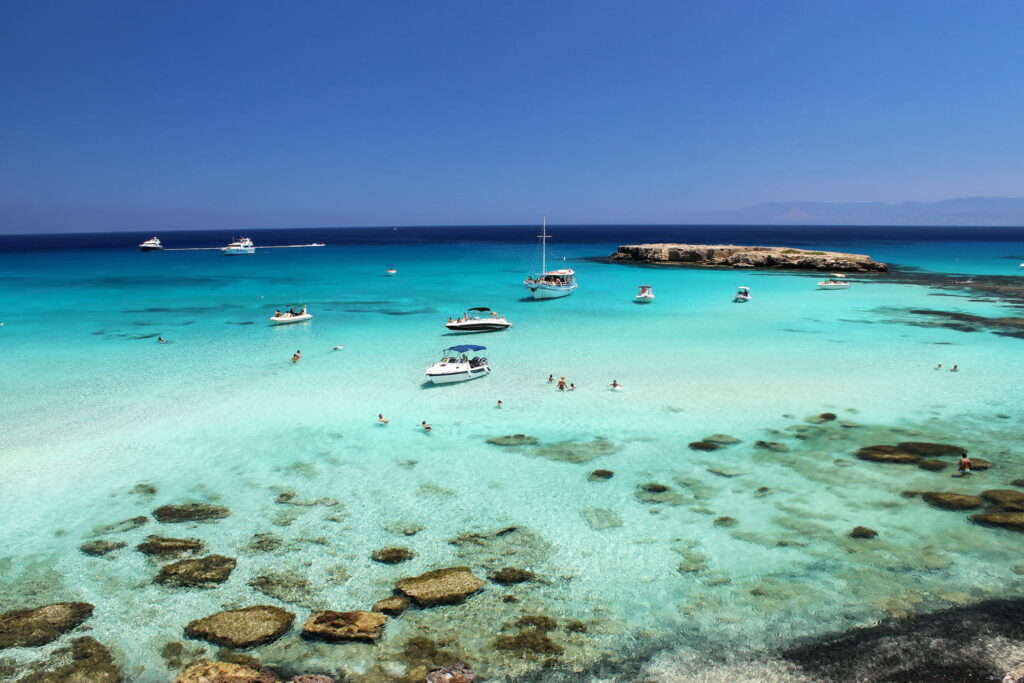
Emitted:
<point x="730" y="557"/>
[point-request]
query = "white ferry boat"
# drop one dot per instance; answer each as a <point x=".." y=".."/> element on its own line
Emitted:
<point x="152" y="244"/>
<point x="456" y="366"/>
<point x="475" y="321"/>
<point x="550" y="284"/>
<point x="240" y="246"/>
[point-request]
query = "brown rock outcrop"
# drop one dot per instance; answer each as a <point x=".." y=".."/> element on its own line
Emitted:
<point x="190" y="512"/>
<point x="734" y="256"/>
<point x="336" y="627"/>
<point x="240" y="628"/>
<point x="41" y="625"/>
<point x="448" y="586"/>
<point x="224" y="672"/>
<point x="200" y="572"/>
<point x="951" y="501"/>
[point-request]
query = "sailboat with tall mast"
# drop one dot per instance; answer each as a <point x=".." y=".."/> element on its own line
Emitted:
<point x="550" y="284"/>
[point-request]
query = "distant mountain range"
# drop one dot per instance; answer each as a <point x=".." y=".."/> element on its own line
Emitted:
<point x="982" y="211"/>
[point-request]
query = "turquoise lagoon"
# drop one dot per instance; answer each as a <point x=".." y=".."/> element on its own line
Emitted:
<point x="746" y="552"/>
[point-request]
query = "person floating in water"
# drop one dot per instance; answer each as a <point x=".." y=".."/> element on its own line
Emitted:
<point x="561" y="383"/>
<point x="297" y="356"/>
<point x="551" y="378"/>
<point x="381" y="419"/>
<point x="939" y="366"/>
<point x="500" y="404"/>
<point x="425" y="426"/>
<point x="955" y="368"/>
<point x="615" y="384"/>
<point x="161" y="340"/>
<point x="965" y="466"/>
<point x="572" y="387"/>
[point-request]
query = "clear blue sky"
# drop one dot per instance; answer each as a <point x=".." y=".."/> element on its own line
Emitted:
<point x="190" y="114"/>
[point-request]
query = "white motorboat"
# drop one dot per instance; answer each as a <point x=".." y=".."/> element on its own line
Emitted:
<point x="152" y="244"/>
<point x="645" y="295"/>
<point x="240" y="246"/>
<point x="390" y="270"/>
<point x="479" y="319"/>
<point x="456" y="366"/>
<point x="550" y="284"/>
<point x="742" y="295"/>
<point x="833" y="284"/>
<point x="290" y="316"/>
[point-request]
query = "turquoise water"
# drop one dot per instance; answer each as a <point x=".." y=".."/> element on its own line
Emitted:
<point x="94" y="406"/>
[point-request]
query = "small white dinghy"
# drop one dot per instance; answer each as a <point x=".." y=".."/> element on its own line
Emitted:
<point x="742" y="295"/>
<point x="645" y="295"/>
<point x="456" y="366"/>
<point x="833" y="284"/>
<point x="290" y="316"/>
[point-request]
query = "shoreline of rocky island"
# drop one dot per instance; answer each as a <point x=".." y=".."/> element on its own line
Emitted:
<point x="736" y="256"/>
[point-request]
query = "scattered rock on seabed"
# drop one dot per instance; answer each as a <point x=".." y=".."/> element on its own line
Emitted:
<point x="459" y="673"/>
<point x="224" y="672"/>
<point x="190" y="512"/>
<point x="951" y="501"/>
<point x="241" y="628"/>
<point x="100" y="548"/>
<point x="162" y="546"/>
<point x="447" y="586"/>
<point x="41" y="625"/>
<point x="200" y="572"/>
<point x="336" y="627"/>
<point x="85" y="660"/>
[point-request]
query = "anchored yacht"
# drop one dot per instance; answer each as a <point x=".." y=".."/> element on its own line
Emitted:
<point x="479" y="319"/>
<point x="152" y="244"/>
<point x="291" y="316"/>
<point x="240" y="246"/>
<point x="550" y="284"/>
<point x="645" y="295"/>
<point x="833" y="284"/>
<point x="456" y="366"/>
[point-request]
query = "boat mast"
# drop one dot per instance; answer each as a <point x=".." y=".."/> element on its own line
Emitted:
<point x="544" y="247"/>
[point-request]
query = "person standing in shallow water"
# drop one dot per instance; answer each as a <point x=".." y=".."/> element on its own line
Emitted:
<point x="561" y="383"/>
<point x="500" y="404"/>
<point x="965" y="466"/>
<point x="297" y="356"/>
<point x="551" y="378"/>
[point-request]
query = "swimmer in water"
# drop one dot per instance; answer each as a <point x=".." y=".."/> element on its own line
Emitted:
<point x="615" y="385"/>
<point x="381" y="419"/>
<point x="955" y="368"/>
<point x="572" y="387"/>
<point x="500" y="404"/>
<point x="551" y="378"/>
<point x="161" y="340"/>
<point x="561" y="383"/>
<point x="425" y="426"/>
<point x="297" y="356"/>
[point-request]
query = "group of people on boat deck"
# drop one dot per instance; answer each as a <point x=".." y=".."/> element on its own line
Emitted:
<point x="545" y="280"/>
<point x="466" y="318"/>
<point x="290" y="311"/>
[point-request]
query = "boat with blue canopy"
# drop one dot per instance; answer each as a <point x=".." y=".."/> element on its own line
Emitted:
<point x="456" y="365"/>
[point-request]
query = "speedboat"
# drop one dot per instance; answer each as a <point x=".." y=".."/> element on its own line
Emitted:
<point x="240" y="246"/>
<point x="475" y="321"/>
<point x="645" y="295"/>
<point x="742" y="295"/>
<point x="833" y="284"/>
<point x="391" y="270"/>
<point x="290" y="316"/>
<point x="456" y="366"/>
<point x="550" y="284"/>
<point x="152" y="244"/>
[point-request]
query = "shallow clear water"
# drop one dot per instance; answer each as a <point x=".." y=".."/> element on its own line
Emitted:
<point x="94" y="406"/>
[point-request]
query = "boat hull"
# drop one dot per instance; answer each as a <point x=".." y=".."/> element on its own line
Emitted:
<point x="151" y="248"/>
<point x="741" y="299"/>
<point x="451" y="375"/>
<point x="542" y="291"/>
<point x="482" y="326"/>
<point x="291" y="319"/>
<point x="643" y="299"/>
<point x="842" y="286"/>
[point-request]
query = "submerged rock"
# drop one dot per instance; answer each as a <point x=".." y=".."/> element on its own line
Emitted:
<point x="600" y="475"/>
<point x="1017" y="482"/>
<point x="1004" y="496"/>
<point x="725" y="521"/>
<point x="199" y="572"/>
<point x="951" y="501"/>
<point x="931" y="450"/>
<point x="311" y="678"/>
<point x="86" y="660"/>
<point x="224" y="672"/>
<point x="980" y="464"/>
<point x="511" y="575"/>
<point x="575" y="451"/>
<point x="162" y="546"/>
<point x="190" y="512"/>
<point x="241" y="628"/>
<point x="120" y="527"/>
<point x="41" y="625"/>
<point x="264" y="542"/>
<point x="392" y="606"/>
<point x="600" y="519"/>
<point x="458" y="673"/>
<point x="336" y="627"/>
<point x="862" y="532"/>
<point x="703" y="446"/>
<point x="448" y="586"/>
<point x="772" y="446"/>
<point x="528" y="641"/>
<point x="392" y="555"/>
<point x="514" y="440"/>
<point x="287" y="587"/>
<point x="889" y="454"/>
<point x="100" y="548"/>
<point x="821" y="418"/>
<point x="721" y="439"/>
<point x="933" y="465"/>
<point x="1014" y="521"/>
